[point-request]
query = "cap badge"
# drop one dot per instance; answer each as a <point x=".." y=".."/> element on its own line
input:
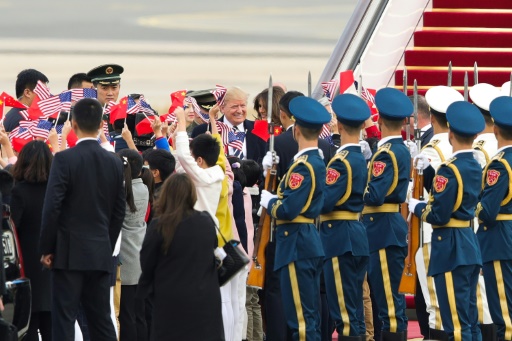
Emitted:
<point x="109" y="70"/>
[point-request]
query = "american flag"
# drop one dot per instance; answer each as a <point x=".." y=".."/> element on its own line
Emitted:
<point x="145" y="107"/>
<point x="23" y="131"/>
<point x="42" y="129"/>
<point x="54" y="104"/>
<point x="236" y="139"/>
<point x="133" y="107"/>
<point x="204" y="117"/>
<point x="42" y="91"/>
<point x="78" y="94"/>
<point x="330" y="88"/>
<point x="219" y="94"/>
<point x="105" y="130"/>
<point x="368" y="96"/>
<point x="223" y="131"/>
<point x="326" y="132"/>
<point x="24" y="114"/>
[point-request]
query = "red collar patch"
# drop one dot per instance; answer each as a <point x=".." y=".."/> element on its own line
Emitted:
<point x="378" y="168"/>
<point x="295" y="180"/>
<point x="440" y="183"/>
<point x="332" y="176"/>
<point x="492" y="177"/>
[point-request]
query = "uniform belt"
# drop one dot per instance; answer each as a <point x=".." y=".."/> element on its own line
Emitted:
<point x="339" y="215"/>
<point x="503" y="216"/>
<point x="454" y="223"/>
<point x="298" y="220"/>
<point x="385" y="208"/>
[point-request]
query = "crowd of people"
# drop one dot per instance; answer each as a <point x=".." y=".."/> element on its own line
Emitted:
<point x="127" y="211"/>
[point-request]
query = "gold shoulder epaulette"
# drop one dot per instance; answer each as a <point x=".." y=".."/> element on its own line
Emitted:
<point x="479" y="144"/>
<point x="385" y="147"/>
<point x="498" y="156"/>
<point x="341" y="155"/>
<point x="432" y="143"/>
<point x="302" y="159"/>
<point x="450" y="160"/>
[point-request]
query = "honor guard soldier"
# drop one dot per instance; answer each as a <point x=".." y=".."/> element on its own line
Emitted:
<point x="388" y="178"/>
<point x="438" y="150"/>
<point x="107" y="81"/>
<point x="299" y="200"/>
<point x="455" y="260"/>
<point x="482" y="94"/>
<point x="343" y="235"/>
<point x="495" y="215"/>
<point x="485" y="145"/>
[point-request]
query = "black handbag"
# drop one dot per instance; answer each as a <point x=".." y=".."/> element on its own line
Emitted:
<point x="234" y="261"/>
<point x="8" y="331"/>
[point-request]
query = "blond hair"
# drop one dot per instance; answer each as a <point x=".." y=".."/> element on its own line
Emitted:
<point x="235" y="93"/>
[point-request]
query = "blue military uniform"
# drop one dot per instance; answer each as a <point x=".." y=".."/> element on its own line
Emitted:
<point x="494" y="212"/>
<point x="388" y="178"/>
<point x="299" y="253"/>
<point x="455" y="259"/>
<point x="343" y="236"/>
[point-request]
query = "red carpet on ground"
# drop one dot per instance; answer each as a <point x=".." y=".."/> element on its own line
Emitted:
<point x="463" y="32"/>
<point x="413" y="331"/>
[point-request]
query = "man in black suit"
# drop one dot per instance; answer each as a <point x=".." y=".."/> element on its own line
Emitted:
<point x="82" y="217"/>
<point x="426" y="130"/>
<point x="234" y="108"/>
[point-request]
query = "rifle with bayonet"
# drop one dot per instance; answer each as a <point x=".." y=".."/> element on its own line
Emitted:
<point x="256" y="276"/>
<point x="415" y="234"/>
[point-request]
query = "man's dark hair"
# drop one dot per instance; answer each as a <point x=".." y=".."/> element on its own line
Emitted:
<point x="205" y="146"/>
<point x="252" y="171"/>
<point x="75" y="82"/>
<point x="505" y="133"/>
<point x="392" y="124"/>
<point x="462" y="139"/>
<point x="309" y="134"/>
<point x="27" y="79"/>
<point x="284" y="102"/>
<point x="162" y="160"/>
<point x="440" y="118"/>
<point x="87" y="115"/>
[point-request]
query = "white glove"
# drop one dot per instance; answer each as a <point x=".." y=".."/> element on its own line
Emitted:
<point x="413" y="148"/>
<point x="421" y="161"/>
<point x="268" y="162"/>
<point x="413" y="203"/>
<point x="365" y="149"/>
<point x="265" y="198"/>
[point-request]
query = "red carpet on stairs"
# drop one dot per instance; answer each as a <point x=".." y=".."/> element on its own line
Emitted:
<point x="463" y="32"/>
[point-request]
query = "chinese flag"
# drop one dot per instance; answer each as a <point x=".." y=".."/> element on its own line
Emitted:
<point x="177" y="99"/>
<point x="34" y="113"/>
<point x="118" y="111"/>
<point x="71" y="139"/>
<point x="9" y="101"/>
<point x="144" y="126"/>
<point x="18" y="143"/>
<point x="261" y="130"/>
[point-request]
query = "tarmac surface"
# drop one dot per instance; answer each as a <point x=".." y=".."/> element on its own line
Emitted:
<point x="166" y="46"/>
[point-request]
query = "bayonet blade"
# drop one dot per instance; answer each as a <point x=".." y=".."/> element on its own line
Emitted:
<point x="475" y="74"/>
<point x="466" y="91"/>
<point x="404" y="81"/>
<point x="269" y="116"/>
<point x="309" y="84"/>
<point x="450" y="73"/>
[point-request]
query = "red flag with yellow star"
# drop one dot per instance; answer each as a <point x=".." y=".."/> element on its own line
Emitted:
<point x="7" y="100"/>
<point x="261" y="130"/>
<point x="177" y="99"/>
<point x="118" y="111"/>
